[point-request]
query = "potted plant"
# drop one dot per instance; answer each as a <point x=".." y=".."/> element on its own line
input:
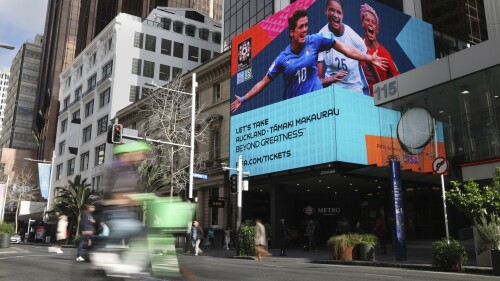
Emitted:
<point x="448" y="255"/>
<point x="473" y="201"/>
<point x="366" y="247"/>
<point x="6" y="230"/>
<point x="489" y="231"/>
<point x="341" y="246"/>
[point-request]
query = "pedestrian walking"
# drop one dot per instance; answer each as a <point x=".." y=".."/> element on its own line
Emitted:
<point x="260" y="240"/>
<point x="87" y="230"/>
<point x="196" y="236"/>
<point x="61" y="235"/>
<point x="285" y="237"/>
<point x="311" y="235"/>
<point x="380" y="231"/>
<point x="227" y="238"/>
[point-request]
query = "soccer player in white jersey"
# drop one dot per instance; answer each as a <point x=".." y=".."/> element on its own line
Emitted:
<point x="338" y="68"/>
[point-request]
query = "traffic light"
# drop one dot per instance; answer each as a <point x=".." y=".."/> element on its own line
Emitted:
<point x="233" y="183"/>
<point x="116" y="133"/>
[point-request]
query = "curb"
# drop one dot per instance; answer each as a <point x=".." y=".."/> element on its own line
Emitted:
<point x="429" y="267"/>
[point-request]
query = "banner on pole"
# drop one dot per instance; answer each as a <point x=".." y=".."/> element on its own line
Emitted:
<point x="44" y="178"/>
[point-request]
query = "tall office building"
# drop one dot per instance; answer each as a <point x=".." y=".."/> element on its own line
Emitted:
<point x="16" y="132"/>
<point x="70" y="26"/>
<point x="4" y="85"/>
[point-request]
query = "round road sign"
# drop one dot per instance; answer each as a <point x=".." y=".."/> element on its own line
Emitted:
<point x="440" y="165"/>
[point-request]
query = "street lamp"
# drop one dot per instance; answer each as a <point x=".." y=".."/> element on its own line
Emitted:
<point x="194" y="84"/>
<point x="7" y="46"/>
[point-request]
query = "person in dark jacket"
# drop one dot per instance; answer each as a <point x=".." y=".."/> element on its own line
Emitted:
<point x="285" y="236"/>
<point x="87" y="229"/>
<point x="196" y="236"/>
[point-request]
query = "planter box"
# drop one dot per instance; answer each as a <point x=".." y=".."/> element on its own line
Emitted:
<point x="366" y="252"/>
<point x="345" y="254"/>
<point x="4" y="240"/>
<point x="483" y="259"/>
<point x="495" y="261"/>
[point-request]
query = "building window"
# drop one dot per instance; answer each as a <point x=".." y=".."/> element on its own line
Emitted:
<point x="205" y="55"/>
<point x="214" y="145"/>
<point x="138" y="39"/>
<point x="71" y="166"/>
<point x="166" y="47"/>
<point x="80" y="71"/>
<point x="89" y="108"/>
<point x="76" y="115"/>
<point x="91" y="83"/>
<point x="176" y="72"/>
<point x="165" y="23"/>
<point x="84" y="161"/>
<point x="164" y="72"/>
<point x="104" y="98"/>
<point x="178" y="50"/>
<point x="59" y="171"/>
<point x="190" y="30"/>
<point x="134" y="93"/>
<point x="178" y="26"/>
<point x="62" y="146"/>
<point x="102" y="125"/>
<point x="216" y="37"/>
<point x="149" y="69"/>
<point x="215" y="54"/>
<point x="66" y="103"/>
<point x="64" y="125"/>
<point x="214" y="212"/>
<point x="99" y="154"/>
<point x="204" y="33"/>
<point x="217" y="92"/>
<point x="136" y="66"/>
<point x="97" y="182"/>
<point x="78" y="93"/>
<point x="87" y="134"/>
<point x="110" y="44"/>
<point x="107" y="70"/>
<point x="68" y="82"/>
<point x="93" y="59"/>
<point x="193" y="53"/>
<point x="150" y="43"/>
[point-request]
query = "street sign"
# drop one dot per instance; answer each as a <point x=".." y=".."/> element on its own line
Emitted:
<point x="200" y="176"/>
<point x="440" y="165"/>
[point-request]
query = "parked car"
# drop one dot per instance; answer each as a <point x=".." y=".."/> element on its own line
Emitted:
<point x="15" y="239"/>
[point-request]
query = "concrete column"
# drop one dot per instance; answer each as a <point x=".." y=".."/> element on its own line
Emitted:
<point x="491" y="8"/>
<point x="413" y="8"/>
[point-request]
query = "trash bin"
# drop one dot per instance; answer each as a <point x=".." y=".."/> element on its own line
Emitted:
<point x="4" y="240"/>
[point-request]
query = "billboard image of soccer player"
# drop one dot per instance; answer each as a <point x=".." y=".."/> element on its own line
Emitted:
<point x="299" y="89"/>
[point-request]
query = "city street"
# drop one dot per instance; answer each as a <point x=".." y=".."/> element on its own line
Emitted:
<point x="33" y="262"/>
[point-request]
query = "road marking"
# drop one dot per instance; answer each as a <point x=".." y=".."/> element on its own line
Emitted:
<point x="272" y="265"/>
<point x="385" y="276"/>
<point x="9" y="252"/>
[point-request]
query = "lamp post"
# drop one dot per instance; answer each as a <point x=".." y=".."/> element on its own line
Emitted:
<point x="7" y="46"/>
<point x="194" y="84"/>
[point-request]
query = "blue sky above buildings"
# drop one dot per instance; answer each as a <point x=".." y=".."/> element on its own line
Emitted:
<point x="20" y="21"/>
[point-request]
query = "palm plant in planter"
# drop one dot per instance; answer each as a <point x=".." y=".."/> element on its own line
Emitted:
<point x="6" y="230"/>
<point x="341" y="246"/>
<point x="489" y="231"/>
<point x="366" y="247"/>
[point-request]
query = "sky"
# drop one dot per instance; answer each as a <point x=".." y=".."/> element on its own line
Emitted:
<point x="20" y="21"/>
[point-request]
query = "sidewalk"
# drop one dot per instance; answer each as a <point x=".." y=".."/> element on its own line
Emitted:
<point x="419" y="256"/>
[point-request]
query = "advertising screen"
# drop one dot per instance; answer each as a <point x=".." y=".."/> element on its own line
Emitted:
<point x="301" y="85"/>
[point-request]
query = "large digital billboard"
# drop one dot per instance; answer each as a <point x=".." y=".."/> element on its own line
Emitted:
<point x="301" y="85"/>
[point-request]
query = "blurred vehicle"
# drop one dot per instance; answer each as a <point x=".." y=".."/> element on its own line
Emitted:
<point x="15" y="239"/>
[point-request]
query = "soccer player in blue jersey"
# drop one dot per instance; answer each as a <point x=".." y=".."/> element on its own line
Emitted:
<point x="299" y="61"/>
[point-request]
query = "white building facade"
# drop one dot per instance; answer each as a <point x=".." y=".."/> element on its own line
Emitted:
<point x="111" y="73"/>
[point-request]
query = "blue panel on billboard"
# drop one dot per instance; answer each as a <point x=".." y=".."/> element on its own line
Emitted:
<point x="416" y="43"/>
